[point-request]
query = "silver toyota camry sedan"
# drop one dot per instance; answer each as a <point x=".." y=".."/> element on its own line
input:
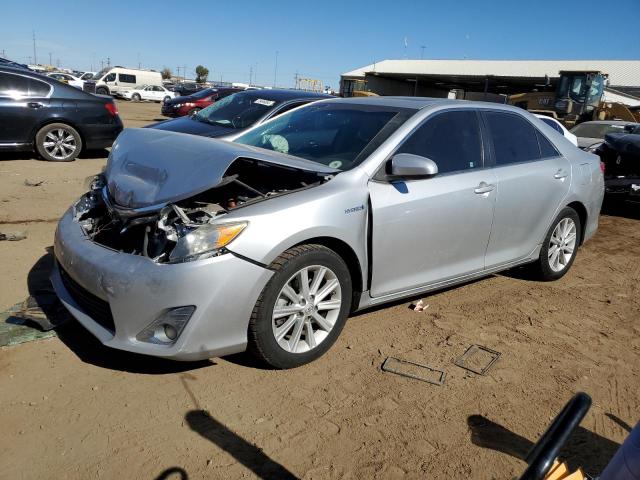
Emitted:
<point x="189" y="247"/>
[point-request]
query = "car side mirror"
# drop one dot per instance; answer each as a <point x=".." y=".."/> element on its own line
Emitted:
<point x="408" y="165"/>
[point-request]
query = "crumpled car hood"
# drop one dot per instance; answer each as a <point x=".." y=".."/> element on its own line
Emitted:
<point x="149" y="167"/>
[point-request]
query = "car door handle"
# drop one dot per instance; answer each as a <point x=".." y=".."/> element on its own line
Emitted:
<point x="484" y="187"/>
<point x="34" y="105"/>
<point x="560" y="174"/>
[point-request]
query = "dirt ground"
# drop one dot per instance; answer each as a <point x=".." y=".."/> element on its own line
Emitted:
<point x="71" y="408"/>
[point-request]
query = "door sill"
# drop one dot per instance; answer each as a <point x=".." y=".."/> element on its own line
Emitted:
<point x="366" y="300"/>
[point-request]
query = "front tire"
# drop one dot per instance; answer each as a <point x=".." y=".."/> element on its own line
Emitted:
<point x="102" y="91"/>
<point x="560" y="246"/>
<point x="58" y="142"/>
<point x="135" y="97"/>
<point x="302" y="309"/>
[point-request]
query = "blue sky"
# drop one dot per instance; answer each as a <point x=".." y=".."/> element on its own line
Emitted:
<point x="316" y="39"/>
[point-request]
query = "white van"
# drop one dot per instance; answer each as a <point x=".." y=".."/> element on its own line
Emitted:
<point x="113" y="80"/>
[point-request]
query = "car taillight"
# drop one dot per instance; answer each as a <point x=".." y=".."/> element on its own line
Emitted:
<point x="602" y="167"/>
<point x="112" y="108"/>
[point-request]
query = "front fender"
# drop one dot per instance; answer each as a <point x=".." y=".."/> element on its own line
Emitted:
<point x="337" y="209"/>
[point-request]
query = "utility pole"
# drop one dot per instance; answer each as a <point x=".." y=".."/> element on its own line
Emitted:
<point x="58" y="61"/>
<point x="35" y="59"/>
<point x="108" y="62"/>
<point x="296" y="80"/>
<point x="275" y="72"/>
<point x="184" y="72"/>
<point x="139" y="63"/>
<point x="29" y="59"/>
<point x="49" y="58"/>
<point x="250" y="73"/>
<point x="101" y="64"/>
<point x="422" y="51"/>
<point x="3" y="54"/>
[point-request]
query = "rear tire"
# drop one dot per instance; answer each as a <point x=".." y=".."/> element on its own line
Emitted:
<point x="286" y="332"/>
<point x="58" y="142"/>
<point x="560" y="246"/>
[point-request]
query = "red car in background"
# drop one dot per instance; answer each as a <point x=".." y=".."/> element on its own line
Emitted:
<point x="191" y="104"/>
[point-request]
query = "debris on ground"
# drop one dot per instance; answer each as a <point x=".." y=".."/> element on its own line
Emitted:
<point x="405" y="368"/>
<point x="477" y="359"/>
<point x="42" y="309"/>
<point x="33" y="183"/>
<point x="419" y="306"/>
<point x="13" y="236"/>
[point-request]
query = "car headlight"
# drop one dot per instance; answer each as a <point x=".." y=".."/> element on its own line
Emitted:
<point x="205" y="241"/>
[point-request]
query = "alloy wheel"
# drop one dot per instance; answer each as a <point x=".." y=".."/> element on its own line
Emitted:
<point x="562" y="244"/>
<point x="60" y="144"/>
<point x="306" y="309"/>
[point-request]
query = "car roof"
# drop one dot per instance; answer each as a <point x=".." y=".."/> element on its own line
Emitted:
<point x="607" y="122"/>
<point x="419" y="103"/>
<point x="281" y="94"/>
<point x="24" y="71"/>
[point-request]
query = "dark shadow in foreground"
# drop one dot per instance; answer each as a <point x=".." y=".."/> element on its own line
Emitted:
<point x="173" y="473"/>
<point x="584" y="449"/>
<point x="85" y="345"/>
<point x="244" y="452"/>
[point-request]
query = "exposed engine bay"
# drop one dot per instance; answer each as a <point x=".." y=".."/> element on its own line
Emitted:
<point x="162" y="232"/>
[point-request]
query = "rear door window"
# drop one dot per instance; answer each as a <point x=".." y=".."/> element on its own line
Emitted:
<point x="13" y="85"/>
<point x="451" y="139"/>
<point x="20" y="86"/>
<point x="546" y="147"/>
<point x="514" y="139"/>
<point x="126" y="78"/>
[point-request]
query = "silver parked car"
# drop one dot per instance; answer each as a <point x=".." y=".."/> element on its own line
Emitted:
<point x="189" y="247"/>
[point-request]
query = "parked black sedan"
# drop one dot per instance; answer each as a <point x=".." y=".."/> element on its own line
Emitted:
<point x="57" y="120"/>
<point x="239" y="111"/>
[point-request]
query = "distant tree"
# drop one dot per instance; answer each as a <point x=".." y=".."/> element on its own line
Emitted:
<point x="201" y="74"/>
<point x="166" y="73"/>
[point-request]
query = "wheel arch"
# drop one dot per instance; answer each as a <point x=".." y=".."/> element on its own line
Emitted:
<point x="349" y="256"/>
<point x="581" y="210"/>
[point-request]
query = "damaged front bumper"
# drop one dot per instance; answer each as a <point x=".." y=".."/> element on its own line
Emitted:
<point x="117" y="295"/>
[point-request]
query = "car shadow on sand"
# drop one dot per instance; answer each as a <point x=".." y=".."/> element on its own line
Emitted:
<point x="84" y="344"/>
<point x="85" y="154"/>
<point x="585" y="449"/>
<point x="620" y="208"/>
<point x="246" y="453"/>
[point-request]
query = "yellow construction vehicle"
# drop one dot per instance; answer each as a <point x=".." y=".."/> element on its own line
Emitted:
<point x="577" y="98"/>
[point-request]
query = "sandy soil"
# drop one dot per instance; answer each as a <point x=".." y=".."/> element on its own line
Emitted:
<point x="70" y="408"/>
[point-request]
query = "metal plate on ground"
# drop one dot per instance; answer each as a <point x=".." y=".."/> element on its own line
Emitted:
<point x="405" y="368"/>
<point x="478" y="359"/>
